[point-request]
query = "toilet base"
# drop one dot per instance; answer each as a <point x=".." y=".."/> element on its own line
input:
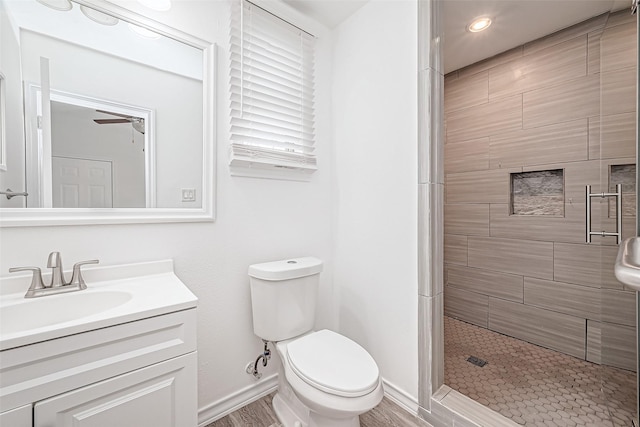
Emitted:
<point x="286" y="414"/>
<point x="315" y="420"/>
<point x="289" y="418"/>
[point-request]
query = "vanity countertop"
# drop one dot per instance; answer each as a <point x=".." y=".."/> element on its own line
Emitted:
<point x="115" y="295"/>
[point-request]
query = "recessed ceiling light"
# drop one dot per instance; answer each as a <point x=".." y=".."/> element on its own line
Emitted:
<point x="141" y="31"/>
<point x="62" y="5"/>
<point x="99" y="17"/>
<point x="479" y="24"/>
<point x="161" y="5"/>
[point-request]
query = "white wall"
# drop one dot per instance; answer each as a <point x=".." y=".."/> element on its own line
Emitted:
<point x="257" y="221"/>
<point x="375" y="129"/>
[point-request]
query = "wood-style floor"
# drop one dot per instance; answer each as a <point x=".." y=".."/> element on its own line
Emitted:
<point x="260" y="414"/>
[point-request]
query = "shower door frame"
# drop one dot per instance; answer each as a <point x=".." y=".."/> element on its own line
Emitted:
<point x="635" y="11"/>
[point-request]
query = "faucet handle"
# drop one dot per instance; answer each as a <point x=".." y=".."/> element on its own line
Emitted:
<point x="36" y="279"/>
<point x="76" y="278"/>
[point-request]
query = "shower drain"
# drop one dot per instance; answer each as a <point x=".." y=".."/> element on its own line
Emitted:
<point x="476" y="361"/>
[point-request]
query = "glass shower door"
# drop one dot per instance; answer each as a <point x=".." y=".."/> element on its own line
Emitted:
<point x="617" y="327"/>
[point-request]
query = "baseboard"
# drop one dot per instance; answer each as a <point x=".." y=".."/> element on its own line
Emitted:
<point x="241" y="398"/>
<point x="237" y="400"/>
<point x="400" y="397"/>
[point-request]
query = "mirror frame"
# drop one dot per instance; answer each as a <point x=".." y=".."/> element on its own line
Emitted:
<point x="27" y="217"/>
<point x="3" y="137"/>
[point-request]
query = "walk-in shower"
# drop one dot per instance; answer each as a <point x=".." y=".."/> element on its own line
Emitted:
<point x="540" y="145"/>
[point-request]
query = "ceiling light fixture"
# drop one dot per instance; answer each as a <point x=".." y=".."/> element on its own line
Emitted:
<point x="99" y="17"/>
<point x="479" y="24"/>
<point x="62" y="5"/>
<point x="161" y="5"/>
<point x="143" y="32"/>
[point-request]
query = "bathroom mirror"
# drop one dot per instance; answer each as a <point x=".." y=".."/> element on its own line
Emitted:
<point x="109" y="116"/>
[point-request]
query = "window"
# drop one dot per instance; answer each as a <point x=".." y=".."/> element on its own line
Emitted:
<point x="272" y="116"/>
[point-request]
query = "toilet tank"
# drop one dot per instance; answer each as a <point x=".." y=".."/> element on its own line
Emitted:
<point x="283" y="297"/>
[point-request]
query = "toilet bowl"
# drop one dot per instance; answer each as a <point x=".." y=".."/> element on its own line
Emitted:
<point x="325" y="379"/>
<point x="332" y="380"/>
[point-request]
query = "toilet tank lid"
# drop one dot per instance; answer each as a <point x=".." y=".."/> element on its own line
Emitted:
<point x="292" y="268"/>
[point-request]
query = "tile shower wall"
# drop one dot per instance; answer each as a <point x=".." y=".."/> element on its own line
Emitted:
<point x="565" y="102"/>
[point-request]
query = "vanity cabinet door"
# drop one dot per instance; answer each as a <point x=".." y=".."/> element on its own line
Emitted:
<point x="19" y="417"/>
<point x="160" y="395"/>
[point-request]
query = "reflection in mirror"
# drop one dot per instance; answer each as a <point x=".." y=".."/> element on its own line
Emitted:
<point x="89" y="148"/>
<point x="126" y="105"/>
<point x="98" y="154"/>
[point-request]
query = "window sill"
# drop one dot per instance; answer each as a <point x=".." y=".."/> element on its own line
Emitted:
<point x="251" y="169"/>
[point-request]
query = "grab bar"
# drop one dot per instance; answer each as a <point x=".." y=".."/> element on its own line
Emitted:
<point x="618" y="195"/>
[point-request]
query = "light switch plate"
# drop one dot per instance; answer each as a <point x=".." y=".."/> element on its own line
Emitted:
<point x="188" y="194"/>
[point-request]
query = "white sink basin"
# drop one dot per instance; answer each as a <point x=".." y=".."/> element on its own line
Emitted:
<point x="627" y="268"/>
<point x="49" y="310"/>
<point x="115" y="295"/>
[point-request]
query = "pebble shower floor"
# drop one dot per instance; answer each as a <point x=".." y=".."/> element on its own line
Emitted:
<point x="535" y="386"/>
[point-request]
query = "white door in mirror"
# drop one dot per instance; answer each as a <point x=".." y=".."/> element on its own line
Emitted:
<point x="81" y="183"/>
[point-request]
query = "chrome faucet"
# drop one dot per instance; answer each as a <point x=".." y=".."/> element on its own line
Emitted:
<point x="57" y="275"/>
<point x="58" y="284"/>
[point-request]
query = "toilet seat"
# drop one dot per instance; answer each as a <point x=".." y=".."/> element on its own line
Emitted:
<point x="332" y="363"/>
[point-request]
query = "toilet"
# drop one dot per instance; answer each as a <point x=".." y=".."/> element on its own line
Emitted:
<point x="325" y="379"/>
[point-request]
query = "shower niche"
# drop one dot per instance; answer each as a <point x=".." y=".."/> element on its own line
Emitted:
<point x="537" y="193"/>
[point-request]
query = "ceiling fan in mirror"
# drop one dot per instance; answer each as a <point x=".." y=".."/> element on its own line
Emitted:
<point x="136" y="122"/>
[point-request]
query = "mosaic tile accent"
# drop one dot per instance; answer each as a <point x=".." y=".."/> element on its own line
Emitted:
<point x="538" y="193"/>
<point x="535" y="386"/>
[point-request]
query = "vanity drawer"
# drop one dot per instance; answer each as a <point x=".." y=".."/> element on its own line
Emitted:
<point x="160" y="395"/>
<point x="44" y="369"/>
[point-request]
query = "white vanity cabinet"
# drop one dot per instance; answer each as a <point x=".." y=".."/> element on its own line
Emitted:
<point x="132" y="366"/>
<point x="137" y="374"/>
<point x="18" y="417"/>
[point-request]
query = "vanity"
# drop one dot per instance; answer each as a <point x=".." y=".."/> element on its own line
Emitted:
<point x="121" y="352"/>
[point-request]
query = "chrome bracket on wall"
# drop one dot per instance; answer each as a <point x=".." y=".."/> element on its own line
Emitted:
<point x="618" y="195"/>
<point x="10" y="194"/>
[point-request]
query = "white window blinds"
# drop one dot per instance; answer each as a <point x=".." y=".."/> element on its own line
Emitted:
<point x="272" y="117"/>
